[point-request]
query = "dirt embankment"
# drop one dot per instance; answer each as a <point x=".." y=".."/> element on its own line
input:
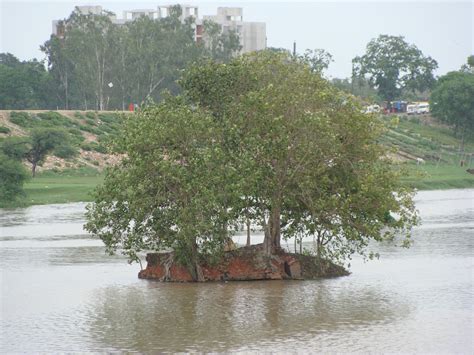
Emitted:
<point x="85" y="157"/>
<point x="246" y="263"/>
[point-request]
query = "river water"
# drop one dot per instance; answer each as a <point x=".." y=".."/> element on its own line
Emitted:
<point x="61" y="293"/>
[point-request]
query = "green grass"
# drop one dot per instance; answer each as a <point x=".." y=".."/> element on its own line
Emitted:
<point x="64" y="187"/>
<point x="440" y="135"/>
<point x="438" y="177"/>
<point x="77" y="185"/>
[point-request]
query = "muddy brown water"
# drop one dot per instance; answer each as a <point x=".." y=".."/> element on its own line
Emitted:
<point x="61" y="293"/>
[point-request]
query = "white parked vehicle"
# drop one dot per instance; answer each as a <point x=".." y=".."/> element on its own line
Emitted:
<point x="418" y="108"/>
<point x="372" y="109"/>
<point x="411" y="109"/>
<point x="423" y="107"/>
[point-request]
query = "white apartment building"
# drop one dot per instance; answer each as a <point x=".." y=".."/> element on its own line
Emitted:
<point x="252" y="34"/>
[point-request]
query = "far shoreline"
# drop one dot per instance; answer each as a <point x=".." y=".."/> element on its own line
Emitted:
<point x="77" y="185"/>
<point x="78" y="195"/>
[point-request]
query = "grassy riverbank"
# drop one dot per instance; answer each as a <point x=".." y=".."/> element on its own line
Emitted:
<point x="54" y="187"/>
<point x="77" y="185"/>
<point x="410" y="138"/>
<point x="439" y="177"/>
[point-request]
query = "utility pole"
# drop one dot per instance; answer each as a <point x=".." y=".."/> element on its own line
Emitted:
<point x="294" y="49"/>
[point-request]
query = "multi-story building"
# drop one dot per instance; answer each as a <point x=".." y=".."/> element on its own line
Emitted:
<point x="252" y="34"/>
<point x="59" y="25"/>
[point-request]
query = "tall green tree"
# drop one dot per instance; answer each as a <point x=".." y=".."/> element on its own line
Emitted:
<point x="469" y="66"/>
<point x="122" y="76"/>
<point x="452" y="102"/>
<point x="165" y="185"/>
<point x="12" y="172"/>
<point x="221" y="46"/>
<point x="392" y="65"/>
<point x="358" y="87"/>
<point x="261" y="139"/>
<point x="12" y="178"/>
<point x="158" y="51"/>
<point x="88" y="45"/>
<point x="297" y="132"/>
<point x="318" y="59"/>
<point x="61" y="69"/>
<point x="42" y="142"/>
<point x="24" y="85"/>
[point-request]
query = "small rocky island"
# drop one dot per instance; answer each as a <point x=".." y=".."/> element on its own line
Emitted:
<point x="244" y="264"/>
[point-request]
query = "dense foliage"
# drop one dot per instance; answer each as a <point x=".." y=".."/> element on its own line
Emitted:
<point x="12" y="177"/>
<point x="24" y="84"/>
<point x="359" y="87"/>
<point x="452" y="102"/>
<point x="265" y="139"/>
<point x="95" y="64"/>
<point x="392" y="65"/>
<point x="45" y="134"/>
<point x="100" y="65"/>
<point x="36" y="147"/>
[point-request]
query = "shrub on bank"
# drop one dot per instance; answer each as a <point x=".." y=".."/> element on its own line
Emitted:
<point x="93" y="146"/>
<point x="91" y="115"/>
<point x="65" y="151"/>
<point x="4" y="130"/>
<point x="21" y="119"/>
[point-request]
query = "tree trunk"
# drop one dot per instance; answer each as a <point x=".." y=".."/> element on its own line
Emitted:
<point x="267" y="241"/>
<point x="461" y="162"/>
<point x="248" y="232"/>
<point x="275" y="228"/>
<point x="196" y="270"/>
<point x="33" y="169"/>
<point x="66" y="91"/>
<point x="271" y="241"/>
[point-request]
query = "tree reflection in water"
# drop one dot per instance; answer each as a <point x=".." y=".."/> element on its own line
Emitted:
<point x="226" y="316"/>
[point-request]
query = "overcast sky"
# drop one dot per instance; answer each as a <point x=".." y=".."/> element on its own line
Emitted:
<point x="444" y="30"/>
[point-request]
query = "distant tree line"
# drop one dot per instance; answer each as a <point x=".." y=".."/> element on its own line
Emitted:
<point x="394" y="67"/>
<point x="95" y="64"/>
<point x="98" y="65"/>
<point x="24" y="84"/>
<point x="452" y="100"/>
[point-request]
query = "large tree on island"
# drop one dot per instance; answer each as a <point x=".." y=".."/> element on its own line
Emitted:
<point x="261" y="138"/>
<point x="393" y="65"/>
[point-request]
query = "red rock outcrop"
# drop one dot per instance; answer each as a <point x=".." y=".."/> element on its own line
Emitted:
<point x="247" y="263"/>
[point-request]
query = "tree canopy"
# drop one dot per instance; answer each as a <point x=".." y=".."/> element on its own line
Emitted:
<point x="393" y="65"/>
<point x="12" y="174"/>
<point x="262" y="138"/>
<point x="24" y="84"/>
<point x="98" y="64"/>
<point x="317" y="59"/>
<point x="452" y="102"/>
<point x="469" y="66"/>
<point x="36" y="147"/>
